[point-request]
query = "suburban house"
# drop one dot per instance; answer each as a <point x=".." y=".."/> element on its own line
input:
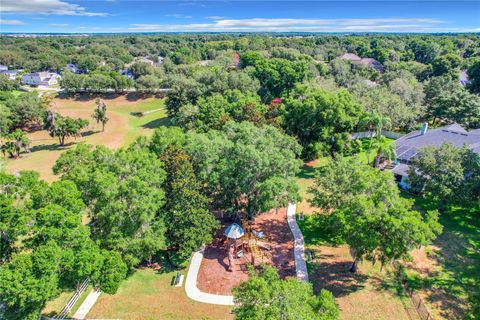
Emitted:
<point x="12" y="74"/>
<point x="3" y="67"/>
<point x="367" y="62"/>
<point x="409" y="145"/>
<point x="43" y="78"/>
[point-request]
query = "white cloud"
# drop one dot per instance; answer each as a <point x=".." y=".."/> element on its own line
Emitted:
<point x="11" y="22"/>
<point x="178" y="16"/>
<point x="301" y="25"/>
<point x="58" y="24"/>
<point x="216" y="17"/>
<point x="54" y="7"/>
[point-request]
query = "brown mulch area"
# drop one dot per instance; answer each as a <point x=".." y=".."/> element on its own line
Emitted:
<point x="213" y="276"/>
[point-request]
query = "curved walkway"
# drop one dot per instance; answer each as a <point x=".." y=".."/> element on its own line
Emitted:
<point x="191" y="284"/>
<point x="299" y="251"/>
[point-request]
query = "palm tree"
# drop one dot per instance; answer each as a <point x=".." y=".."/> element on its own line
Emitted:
<point x="385" y="149"/>
<point x="374" y="123"/>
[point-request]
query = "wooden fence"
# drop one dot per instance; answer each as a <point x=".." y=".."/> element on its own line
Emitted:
<point x="418" y="303"/>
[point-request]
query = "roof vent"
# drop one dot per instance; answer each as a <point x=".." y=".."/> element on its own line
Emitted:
<point x="424" y="128"/>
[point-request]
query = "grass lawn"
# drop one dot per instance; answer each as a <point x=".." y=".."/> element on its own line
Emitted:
<point x="54" y="307"/>
<point x="122" y="129"/>
<point x="447" y="273"/>
<point x="148" y="295"/>
<point x="371" y="293"/>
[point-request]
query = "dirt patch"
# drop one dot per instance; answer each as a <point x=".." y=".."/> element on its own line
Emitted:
<point x="213" y="275"/>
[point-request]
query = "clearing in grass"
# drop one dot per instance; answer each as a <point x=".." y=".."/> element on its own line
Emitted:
<point x="129" y="118"/>
<point x="149" y="295"/>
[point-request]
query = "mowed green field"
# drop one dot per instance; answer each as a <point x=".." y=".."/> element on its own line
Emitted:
<point x="122" y="129"/>
<point x="149" y="295"/>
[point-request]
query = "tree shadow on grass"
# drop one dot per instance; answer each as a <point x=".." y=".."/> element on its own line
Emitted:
<point x="319" y="229"/>
<point x="336" y="277"/>
<point x="306" y="172"/>
<point x="161" y="122"/>
<point x="52" y="147"/>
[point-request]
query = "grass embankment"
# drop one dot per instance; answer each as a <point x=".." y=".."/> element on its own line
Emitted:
<point x="122" y="129"/>
<point x="447" y="272"/>
<point x="149" y="295"/>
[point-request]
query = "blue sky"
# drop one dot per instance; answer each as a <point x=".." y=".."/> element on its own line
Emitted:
<point x="81" y="16"/>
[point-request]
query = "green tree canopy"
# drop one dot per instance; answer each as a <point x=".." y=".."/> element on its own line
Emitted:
<point x="367" y="210"/>
<point x="316" y="116"/>
<point x="237" y="165"/>
<point x="447" y="173"/>
<point x="265" y="296"/>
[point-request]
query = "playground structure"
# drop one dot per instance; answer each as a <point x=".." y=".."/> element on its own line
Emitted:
<point x="243" y="241"/>
<point x="266" y="239"/>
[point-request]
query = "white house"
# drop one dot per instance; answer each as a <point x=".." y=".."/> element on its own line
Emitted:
<point x="3" y="67"/>
<point x="43" y="78"/>
<point x="12" y="74"/>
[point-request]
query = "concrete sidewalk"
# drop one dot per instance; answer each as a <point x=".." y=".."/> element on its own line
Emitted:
<point x="87" y="305"/>
<point x="191" y="284"/>
<point x="299" y="249"/>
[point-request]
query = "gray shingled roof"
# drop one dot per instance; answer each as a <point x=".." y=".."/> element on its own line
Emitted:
<point x="408" y="146"/>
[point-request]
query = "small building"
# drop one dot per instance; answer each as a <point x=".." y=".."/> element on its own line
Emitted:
<point x="43" y="78"/>
<point x="408" y="146"/>
<point x="160" y="60"/>
<point x="12" y="74"/>
<point x="3" y="67"/>
<point x="463" y="78"/>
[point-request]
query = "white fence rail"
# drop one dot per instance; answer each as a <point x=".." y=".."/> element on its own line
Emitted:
<point x="368" y="134"/>
<point x="68" y="307"/>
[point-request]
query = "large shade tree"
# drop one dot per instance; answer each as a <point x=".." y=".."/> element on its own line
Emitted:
<point x="189" y="222"/>
<point x="242" y="165"/>
<point x="320" y="120"/>
<point x="367" y="210"/>
<point x="124" y="192"/>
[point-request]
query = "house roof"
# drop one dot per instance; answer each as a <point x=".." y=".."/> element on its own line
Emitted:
<point x="350" y="56"/>
<point x="408" y="146"/>
<point x="401" y="169"/>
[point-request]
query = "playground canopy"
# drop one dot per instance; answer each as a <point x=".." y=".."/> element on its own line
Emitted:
<point x="234" y="231"/>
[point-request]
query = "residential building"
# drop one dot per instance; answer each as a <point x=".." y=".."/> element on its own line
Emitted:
<point x="43" y="78"/>
<point x="12" y="74"/>
<point x="367" y="62"/>
<point x="408" y="146"/>
<point x="3" y="67"/>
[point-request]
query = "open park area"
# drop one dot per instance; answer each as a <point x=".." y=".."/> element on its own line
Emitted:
<point x="125" y="124"/>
